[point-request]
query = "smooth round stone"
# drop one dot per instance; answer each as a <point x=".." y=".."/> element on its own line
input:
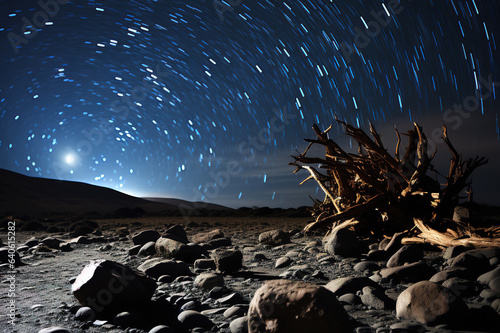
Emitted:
<point x="260" y="257"/>
<point x="235" y="311"/>
<point x="85" y="314"/>
<point x="489" y="295"/>
<point x="349" y="298"/>
<point x="165" y="279"/>
<point x="191" y="319"/>
<point x="369" y="266"/>
<point x="191" y="305"/>
<point x="124" y="319"/>
<point x="495" y="284"/>
<point x="239" y="325"/>
<point x="161" y="329"/>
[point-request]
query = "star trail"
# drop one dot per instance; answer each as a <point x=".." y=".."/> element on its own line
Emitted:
<point x="206" y="100"/>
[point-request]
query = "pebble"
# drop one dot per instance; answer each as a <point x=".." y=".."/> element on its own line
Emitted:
<point x="283" y="262"/>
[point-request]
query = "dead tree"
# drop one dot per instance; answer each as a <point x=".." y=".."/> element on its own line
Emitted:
<point x="389" y="191"/>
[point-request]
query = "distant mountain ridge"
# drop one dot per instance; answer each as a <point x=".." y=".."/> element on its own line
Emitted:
<point x="21" y="194"/>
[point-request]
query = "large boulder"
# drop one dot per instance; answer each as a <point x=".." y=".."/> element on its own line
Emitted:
<point x="284" y="306"/>
<point x="109" y="288"/>
<point x="170" y="248"/>
<point x="429" y="302"/>
<point x="157" y="267"/>
<point x="344" y="243"/>
<point x="145" y="236"/>
<point x="274" y="237"/>
<point x="227" y="261"/>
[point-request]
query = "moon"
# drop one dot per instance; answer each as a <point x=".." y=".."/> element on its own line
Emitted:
<point x="70" y="159"/>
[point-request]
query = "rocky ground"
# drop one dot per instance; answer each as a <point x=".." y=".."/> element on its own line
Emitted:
<point x="221" y="264"/>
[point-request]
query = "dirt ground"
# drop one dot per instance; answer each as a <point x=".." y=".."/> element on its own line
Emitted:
<point x="43" y="288"/>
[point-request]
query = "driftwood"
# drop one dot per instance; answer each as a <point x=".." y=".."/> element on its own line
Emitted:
<point x="454" y="237"/>
<point x="384" y="192"/>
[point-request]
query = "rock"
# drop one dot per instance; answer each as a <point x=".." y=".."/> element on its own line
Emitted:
<point x="110" y="288"/>
<point x="227" y="261"/>
<point x="122" y="231"/>
<point x="260" y="257"/>
<point x="170" y="248"/>
<point x="489" y="295"/>
<point x="216" y="311"/>
<point x="409" y="273"/>
<point x="476" y="262"/>
<point x="344" y="243"/>
<point x="32" y="242"/>
<point x="54" y="330"/>
<point x="6" y="256"/>
<point x="487" y="252"/>
<point x="176" y="233"/>
<point x="147" y="249"/>
<point x="350" y="298"/>
<point x="239" y="325"/>
<point x="495" y="284"/>
<point x="145" y="236"/>
<point x="453" y="251"/>
<point x="125" y="319"/>
<point x="231" y="299"/>
<point x="134" y="250"/>
<point x="204" y="264"/>
<point x="161" y="329"/>
<point x="236" y="311"/>
<point x="191" y="319"/>
<point x="219" y="242"/>
<point x="208" y="281"/>
<point x="406" y="327"/>
<point x="428" y="302"/>
<point x="496" y="305"/>
<point x="274" y="237"/>
<point x="366" y="266"/>
<point x="85" y="314"/>
<point x="459" y="287"/>
<point x="347" y="285"/>
<point x="461" y="214"/>
<point x="283" y="262"/>
<point x="488" y="276"/>
<point x="294" y="306"/>
<point x="157" y="267"/>
<point x="460" y="272"/>
<point x="165" y="279"/>
<point x="191" y="305"/>
<point x="376" y="298"/>
<point x="52" y="243"/>
<point x="406" y="254"/>
<point x="205" y="237"/>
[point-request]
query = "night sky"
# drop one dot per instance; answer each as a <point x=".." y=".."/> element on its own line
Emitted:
<point x="164" y="98"/>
